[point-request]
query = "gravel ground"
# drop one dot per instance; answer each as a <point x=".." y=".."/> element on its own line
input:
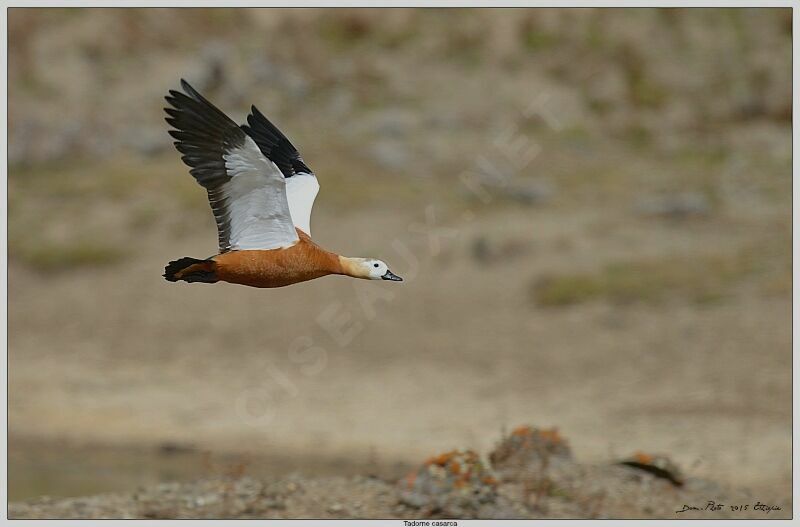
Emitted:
<point x="530" y="474"/>
<point x="620" y="493"/>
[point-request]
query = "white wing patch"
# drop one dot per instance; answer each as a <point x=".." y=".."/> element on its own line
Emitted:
<point x="256" y="201"/>
<point x="301" y="190"/>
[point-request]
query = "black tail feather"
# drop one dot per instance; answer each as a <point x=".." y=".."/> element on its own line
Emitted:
<point x="190" y="270"/>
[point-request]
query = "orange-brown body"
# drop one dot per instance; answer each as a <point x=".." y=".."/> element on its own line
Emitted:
<point x="303" y="261"/>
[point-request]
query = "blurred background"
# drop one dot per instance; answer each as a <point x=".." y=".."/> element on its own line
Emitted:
<point x="592" y="209"/>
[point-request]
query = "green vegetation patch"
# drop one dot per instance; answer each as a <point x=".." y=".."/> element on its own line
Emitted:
<point x="701" y="279"/>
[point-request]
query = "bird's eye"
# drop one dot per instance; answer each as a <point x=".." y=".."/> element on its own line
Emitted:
<point x="376" y="265"/>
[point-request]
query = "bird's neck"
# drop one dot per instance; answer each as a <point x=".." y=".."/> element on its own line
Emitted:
<point x="352" y="267"/>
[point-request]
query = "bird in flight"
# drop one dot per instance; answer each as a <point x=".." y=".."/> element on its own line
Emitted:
<point x="261" y="192"/>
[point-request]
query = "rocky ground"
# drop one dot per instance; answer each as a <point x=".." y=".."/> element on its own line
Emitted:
<point x="531" y="474"/>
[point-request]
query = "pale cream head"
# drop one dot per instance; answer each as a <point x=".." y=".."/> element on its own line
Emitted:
<point x="368" y="269"/>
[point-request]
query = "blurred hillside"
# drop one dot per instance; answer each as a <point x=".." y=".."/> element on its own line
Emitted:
<point x="623" y="270"/>
<point x="373" y="95"/>
<point x="88" y="82"/>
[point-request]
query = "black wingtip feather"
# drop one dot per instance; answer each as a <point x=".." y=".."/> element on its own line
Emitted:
<point x="203" y="134"/>
<point x="186" y="86"/>
<point x="274" y="144"/>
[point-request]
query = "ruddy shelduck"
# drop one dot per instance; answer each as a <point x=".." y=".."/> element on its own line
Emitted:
<point x="261" y="192"/>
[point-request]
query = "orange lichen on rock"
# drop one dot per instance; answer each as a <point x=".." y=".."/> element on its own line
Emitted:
<point x="442" y="459"/>
<point x="527" y="447"/>
<point x="546" y="435"/>
<point x="551" y="435"/>
<point x="410" y="478"/>
<point x="523" y="430"/>
<point x="449" y="478"/>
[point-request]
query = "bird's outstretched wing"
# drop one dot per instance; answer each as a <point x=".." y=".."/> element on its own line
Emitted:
<point x="301" y="183"/>
<point x="246" y="190"/>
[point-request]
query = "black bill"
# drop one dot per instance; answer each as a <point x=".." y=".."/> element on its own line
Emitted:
<point x="391" y="276"/>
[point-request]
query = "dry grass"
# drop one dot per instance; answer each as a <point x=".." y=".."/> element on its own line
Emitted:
<point x="697" y="278"/>
<point x="66" y="256"/>
<point x="85" y="197"/>
<point x="85" y="179"/>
